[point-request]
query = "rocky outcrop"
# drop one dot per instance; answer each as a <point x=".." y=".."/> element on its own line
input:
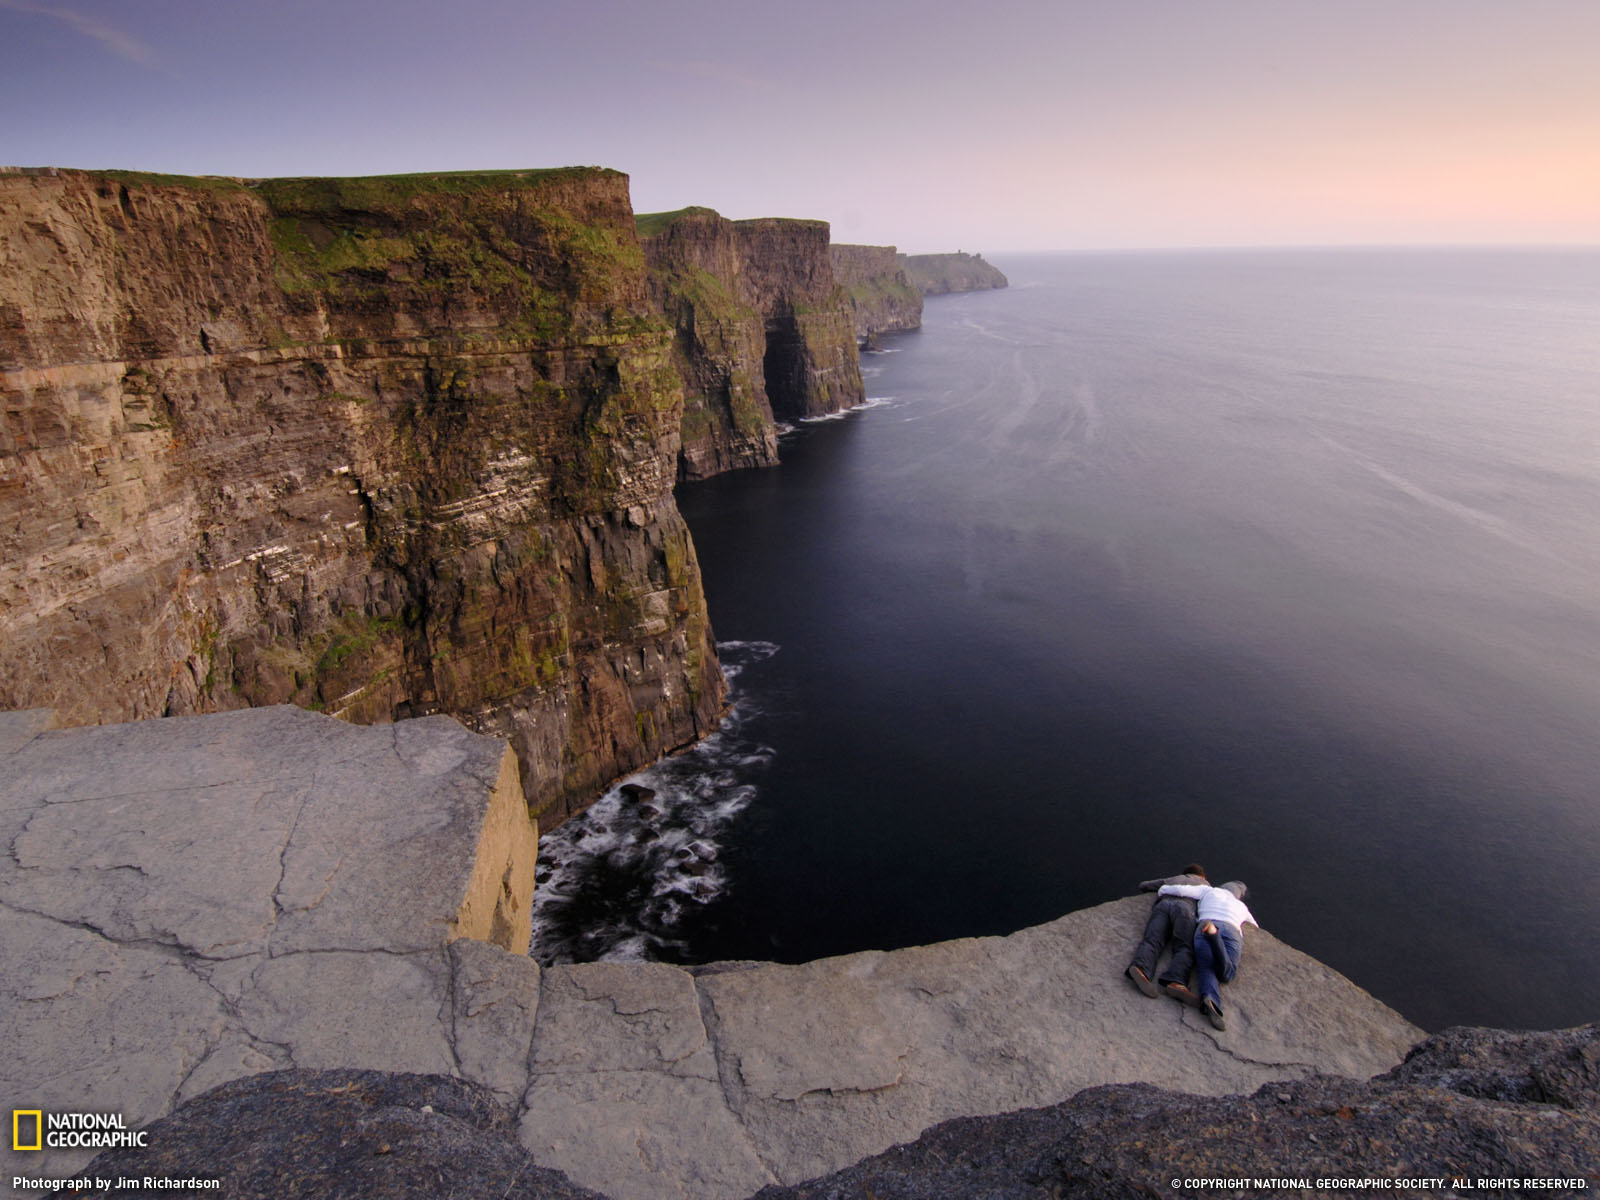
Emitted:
<point x="882" y="299"/>
<point x="378" y="447"/>
<point x="342" y="1135"/>
<point x="183" y="902"/>
<point x="938" y="274"/>
<point x="763" y="331"/>
<point x="1469" y="1110"/>
<point x="1457" y="1124"/>
<point x="191" y="901"/>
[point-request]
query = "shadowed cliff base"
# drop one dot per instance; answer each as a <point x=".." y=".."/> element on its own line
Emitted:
<point x="1468" y="1110"/>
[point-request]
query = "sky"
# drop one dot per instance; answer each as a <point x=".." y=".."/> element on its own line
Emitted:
<point x="981" y="125"/>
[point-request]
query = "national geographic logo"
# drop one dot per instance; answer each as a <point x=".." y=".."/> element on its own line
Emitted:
<point x="35" y="1129"/>
<point x="22" y="1120"/>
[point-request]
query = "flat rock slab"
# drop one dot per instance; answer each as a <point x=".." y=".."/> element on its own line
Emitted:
<point x="829" y="1061"/>
<point x="649" y="1080"/>
<point x="189" y="901"/>
<point x="1470" y="1104"/>
<point x="186" y="901"/>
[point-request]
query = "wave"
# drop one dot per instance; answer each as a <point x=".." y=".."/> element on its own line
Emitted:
<point x="620" y="881"/>
<point x="869" y="402"/>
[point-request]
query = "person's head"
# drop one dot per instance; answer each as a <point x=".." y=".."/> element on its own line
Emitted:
<point x="1194" y="869"/>
<point x="1238" y="889"/>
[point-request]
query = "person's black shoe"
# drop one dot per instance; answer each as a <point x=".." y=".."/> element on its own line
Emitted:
<point x="1142" y="982"/>
<point x="1214" y="1013"/>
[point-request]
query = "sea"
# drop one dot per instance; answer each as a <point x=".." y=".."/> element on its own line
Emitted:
<point x="1282" y="561"/>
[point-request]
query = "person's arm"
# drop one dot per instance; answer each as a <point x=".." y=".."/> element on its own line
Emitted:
<point x="1192" y="891"/>
<point x="1150" y="885"/>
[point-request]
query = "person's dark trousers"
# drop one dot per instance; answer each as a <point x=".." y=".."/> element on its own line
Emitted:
<point x="1216" y="959"/>
<point x="1171" y="917"/>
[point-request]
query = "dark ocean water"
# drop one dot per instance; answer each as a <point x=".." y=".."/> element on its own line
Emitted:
<point x="1288" y="562"/>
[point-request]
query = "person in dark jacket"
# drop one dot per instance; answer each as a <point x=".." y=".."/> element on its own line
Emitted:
<point x="1172" y="918"/>
<point x="1219" y="940"/>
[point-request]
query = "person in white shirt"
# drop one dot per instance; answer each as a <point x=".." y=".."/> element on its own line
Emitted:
<point x="1218" y="939"/>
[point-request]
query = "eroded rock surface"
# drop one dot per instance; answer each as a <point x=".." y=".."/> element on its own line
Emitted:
<point x="343" y="1135"/>
<point x="186" y="901"/>
<point x="189" y="901"/>
<point x="1468" y="1105"/>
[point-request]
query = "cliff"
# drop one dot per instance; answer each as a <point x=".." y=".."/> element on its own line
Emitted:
<point x="938" y="274"/>
<point x="378" y="447"/>
<point x="762" y="330"/>
<point x="882" y="298"/>
<point x="191" y="901"/>
<point x="810" y="364"/>
<point x="303" y="1008"/>
<point x="720" y="341"/>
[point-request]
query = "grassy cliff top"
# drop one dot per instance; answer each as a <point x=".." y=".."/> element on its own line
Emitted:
<point x="650" y="224"/>
<point x="351" y="190"/>
<point x="358" y="192"/>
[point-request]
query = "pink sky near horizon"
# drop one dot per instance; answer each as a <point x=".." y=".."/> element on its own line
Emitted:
<point x="1017" y="125"/>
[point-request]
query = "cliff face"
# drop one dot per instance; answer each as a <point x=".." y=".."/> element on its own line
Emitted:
<point x="881" y="296"/>
<point x="377" y="447"/>
<point x="763" y="331"/>
<point x="696" y="270"/>
<point x="810" y="364"/>
<point x="937" y="274"/>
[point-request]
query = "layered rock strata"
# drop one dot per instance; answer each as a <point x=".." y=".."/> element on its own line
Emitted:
<point x="378" y="447"/>
<point x="762" y="331"/>
<point x="191" y="901"/>
<point x="810" y="363"/>
<point x="720" y="341"/>
<point x="882" y="298"/>
<point x="939" y="274"/>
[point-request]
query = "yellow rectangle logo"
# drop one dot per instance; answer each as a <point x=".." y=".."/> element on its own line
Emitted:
<point x="16" y="1128"/>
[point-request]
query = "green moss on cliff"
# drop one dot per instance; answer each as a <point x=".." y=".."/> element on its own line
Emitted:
<point x="378" y="193"/>
<point x="533" y="243"/>
<point x="650" y="224"/>
<point x="204" y="183"/>
<point x="354" y="636"/>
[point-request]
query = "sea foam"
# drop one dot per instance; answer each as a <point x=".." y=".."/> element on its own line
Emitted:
<point x="618" y="881"/>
